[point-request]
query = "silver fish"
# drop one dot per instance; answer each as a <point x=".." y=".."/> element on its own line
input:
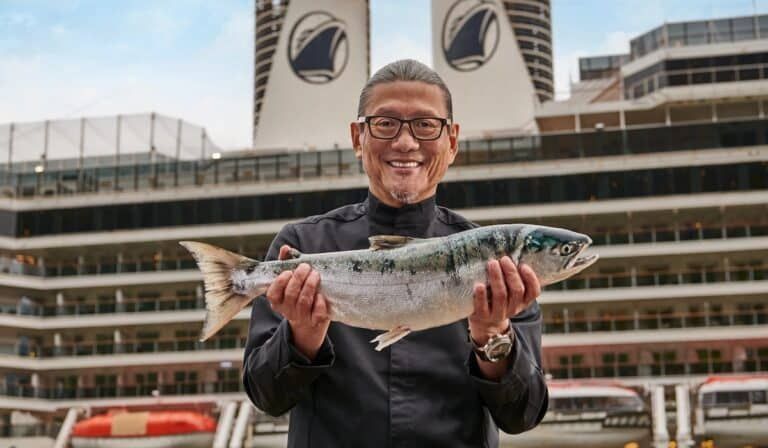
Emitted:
<point x="399" y="284"/>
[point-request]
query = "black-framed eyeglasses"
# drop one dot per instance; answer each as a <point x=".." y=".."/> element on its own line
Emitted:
<point x="388" y="128"/>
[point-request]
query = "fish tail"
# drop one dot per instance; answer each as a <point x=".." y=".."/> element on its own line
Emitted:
<point x="222" y="301"/>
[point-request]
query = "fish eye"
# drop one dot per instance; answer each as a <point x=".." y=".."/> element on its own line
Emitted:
<point x="567" y="249"/>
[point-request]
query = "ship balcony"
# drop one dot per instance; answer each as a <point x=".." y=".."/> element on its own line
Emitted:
<point x="659" y="291"/>
<point x="104" y="398"/>
<point x="112" y="391"/>
<point x="689" y="334"/>
<point x="47" y="274"/>
<point x="111" y="355"/>
<point x="161" y="311"/>
<point x="294" y="167"/>
<point x="615" y="320"/>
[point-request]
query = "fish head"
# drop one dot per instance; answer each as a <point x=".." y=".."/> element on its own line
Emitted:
<point x="554" y="254"/>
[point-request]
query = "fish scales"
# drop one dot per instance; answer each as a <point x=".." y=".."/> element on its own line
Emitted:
<point x="400" y="284"/>
<point x="421" y="285"/>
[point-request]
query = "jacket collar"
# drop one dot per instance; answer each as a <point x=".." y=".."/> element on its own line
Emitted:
<point x="409" y="220"/>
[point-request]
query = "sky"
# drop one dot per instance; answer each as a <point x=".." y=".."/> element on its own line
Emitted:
<point x="192" y="59"/>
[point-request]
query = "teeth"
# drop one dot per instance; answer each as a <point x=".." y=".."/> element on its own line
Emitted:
<point x="397" y="164"/>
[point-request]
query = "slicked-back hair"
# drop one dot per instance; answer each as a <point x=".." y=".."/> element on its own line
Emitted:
<point x="404" y="70"/>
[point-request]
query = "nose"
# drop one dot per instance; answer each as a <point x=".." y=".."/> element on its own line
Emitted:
<point x="405" y="141"/>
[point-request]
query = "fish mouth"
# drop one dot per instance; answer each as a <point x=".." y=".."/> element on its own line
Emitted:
<point x="583" y="262"/>
<point x="579" y="263"/>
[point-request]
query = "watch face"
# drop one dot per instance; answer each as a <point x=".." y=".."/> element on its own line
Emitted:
<point x="500" y="349"/>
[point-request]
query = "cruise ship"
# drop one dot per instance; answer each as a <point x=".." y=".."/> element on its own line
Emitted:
<point x="661" y="156"/>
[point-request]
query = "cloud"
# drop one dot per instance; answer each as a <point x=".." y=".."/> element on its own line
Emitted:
<point x="59" y="31"/>
<point x="18" y="19"/>
<point x="206" y="83"/>
<point x="164" y="25"/>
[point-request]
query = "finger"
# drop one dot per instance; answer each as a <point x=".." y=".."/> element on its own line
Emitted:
<point x="532" y="284"/>
<point x="480" y="299"/>
<point x="515" y="285"/>
<point x="294" y="286"/>
<point x="307" y="296"/>
<point x="498" y="290"/>
<point x="285" y="251"/>
<point x="320" y="310"/>
<point x="276" y="290"/>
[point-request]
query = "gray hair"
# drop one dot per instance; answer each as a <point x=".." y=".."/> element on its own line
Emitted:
<point x="404" y="70"/>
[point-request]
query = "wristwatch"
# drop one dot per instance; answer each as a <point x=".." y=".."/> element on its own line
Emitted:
<point x="497" y="348"/>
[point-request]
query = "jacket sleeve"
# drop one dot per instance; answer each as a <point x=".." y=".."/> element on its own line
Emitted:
<point x="275" y="374"/>
<point x="519" y="400"/>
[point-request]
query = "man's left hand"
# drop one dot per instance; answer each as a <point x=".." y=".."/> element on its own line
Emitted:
<point x="511" y="289"/>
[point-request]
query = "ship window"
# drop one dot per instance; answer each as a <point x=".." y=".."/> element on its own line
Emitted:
<point x="743" y="28"/>
<point x="758" y="397"/>
<point x="722" y="30"/>
<point x="732" y="397"/>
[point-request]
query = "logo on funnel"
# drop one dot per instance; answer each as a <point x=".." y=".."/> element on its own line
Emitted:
<point x="317" y="47"/>
<point x="470" y="34"/>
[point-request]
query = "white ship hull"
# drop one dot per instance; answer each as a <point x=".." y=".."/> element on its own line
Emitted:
<point x="204" y="440"/>
<point x="737" y="432"/>
<point x="576" y="435"/>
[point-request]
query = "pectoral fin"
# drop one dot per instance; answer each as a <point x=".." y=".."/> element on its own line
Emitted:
<point x="384" y="340"/>
<point x="381" y="242"/>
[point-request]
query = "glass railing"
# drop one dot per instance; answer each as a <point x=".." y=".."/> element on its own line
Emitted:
<point x="563" y="324"/>
<point x="302" y="165"/>
<point x="703" y="32"/>
<point x="31" y="350"/>
<point x="67" y="269"/>
<point x="145" y="390"/>
<point x="596" y="281"/>
<point x="736" y="274"/>
<point x="659" y="234"/>
<point x="686" y="277"/>
<point x="653" y="370"/>
<point x="637" y="86"/>
<point x="670" y="234"/>
<point x="81" y="309"/>
<point x="29" y="430"/>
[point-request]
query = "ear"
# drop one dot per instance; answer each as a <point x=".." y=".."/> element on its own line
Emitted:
<point x="355" y="133"/>
<point x="453" y="137"/>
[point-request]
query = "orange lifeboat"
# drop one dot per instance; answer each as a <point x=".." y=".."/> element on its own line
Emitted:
<point x="122" y="429"/>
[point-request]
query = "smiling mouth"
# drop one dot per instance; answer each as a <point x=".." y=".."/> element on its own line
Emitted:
<point x="401" y="164"/>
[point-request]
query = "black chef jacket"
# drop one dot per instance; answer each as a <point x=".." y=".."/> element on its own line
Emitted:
<point x="425" y="390"/>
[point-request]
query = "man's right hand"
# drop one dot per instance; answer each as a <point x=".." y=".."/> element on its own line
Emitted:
<point x="294" y="295"/>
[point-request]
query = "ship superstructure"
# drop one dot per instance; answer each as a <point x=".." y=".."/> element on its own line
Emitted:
<point x="101" y="308"/>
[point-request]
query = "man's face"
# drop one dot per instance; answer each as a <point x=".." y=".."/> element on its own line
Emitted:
<point x="405" y="170"/>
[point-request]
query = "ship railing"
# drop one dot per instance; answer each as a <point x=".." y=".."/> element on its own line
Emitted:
<point x="30" y="430"/>
<point x="638" y="86"/>
<point x="135" y="391"/>
<point x="306" y="165"/>
<point x="748" y="314"/>
<point x="671" y="233"/>
<point x="743" y="273"/>
<point x="31" y="350"/>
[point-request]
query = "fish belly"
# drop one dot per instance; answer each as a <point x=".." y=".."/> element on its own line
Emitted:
<point x="385" y="301"/>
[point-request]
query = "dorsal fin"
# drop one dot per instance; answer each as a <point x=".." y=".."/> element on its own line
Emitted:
<point x="294" y="253"/>
<point x="383" y="242"/>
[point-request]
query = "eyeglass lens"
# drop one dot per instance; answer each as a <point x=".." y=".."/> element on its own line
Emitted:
<point x="421" y="128"/>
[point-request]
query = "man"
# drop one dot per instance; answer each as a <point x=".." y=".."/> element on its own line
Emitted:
<point x="447" y="386"/>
